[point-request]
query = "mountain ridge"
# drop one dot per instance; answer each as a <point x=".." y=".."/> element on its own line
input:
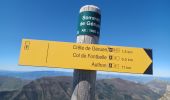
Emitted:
<point x="59" y="88"/>
<point x="32" y="75"/>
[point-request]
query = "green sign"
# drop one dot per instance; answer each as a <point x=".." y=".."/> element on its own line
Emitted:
<point x="89" y="23"/>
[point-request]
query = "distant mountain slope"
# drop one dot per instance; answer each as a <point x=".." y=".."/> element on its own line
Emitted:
<point x="158" y="86"/>
<point x="118" y="89"/>
<point x="11" y="83"/>
<point x="59" y="88"/>
<point x="166" y="96"/>
<point x="46" y="89"/>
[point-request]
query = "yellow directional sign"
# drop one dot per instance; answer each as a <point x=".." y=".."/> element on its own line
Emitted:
<point x="85" y="56"/>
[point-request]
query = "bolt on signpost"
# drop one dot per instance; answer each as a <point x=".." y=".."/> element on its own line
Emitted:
<point x="86" y="56"/>
<point x="88" y="32"/>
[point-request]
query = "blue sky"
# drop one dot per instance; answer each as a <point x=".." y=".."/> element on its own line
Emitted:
<point x="134" y="23"/>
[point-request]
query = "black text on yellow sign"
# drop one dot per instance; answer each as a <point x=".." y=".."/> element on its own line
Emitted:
<point x="85" y="56"/>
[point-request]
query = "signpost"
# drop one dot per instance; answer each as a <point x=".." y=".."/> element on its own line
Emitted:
<point x="86" y="56"/>
<point x="84" y="80"/>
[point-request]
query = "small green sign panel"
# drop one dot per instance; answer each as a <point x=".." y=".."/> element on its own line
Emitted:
<point x="89" y="23"/>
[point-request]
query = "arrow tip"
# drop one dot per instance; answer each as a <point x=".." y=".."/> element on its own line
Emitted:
<point x="149" y="70"/>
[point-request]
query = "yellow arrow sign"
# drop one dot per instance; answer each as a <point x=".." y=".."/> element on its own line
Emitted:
<point x="85" y="56"/>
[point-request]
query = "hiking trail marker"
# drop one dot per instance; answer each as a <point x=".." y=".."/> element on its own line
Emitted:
<point x="86" y="56"/>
